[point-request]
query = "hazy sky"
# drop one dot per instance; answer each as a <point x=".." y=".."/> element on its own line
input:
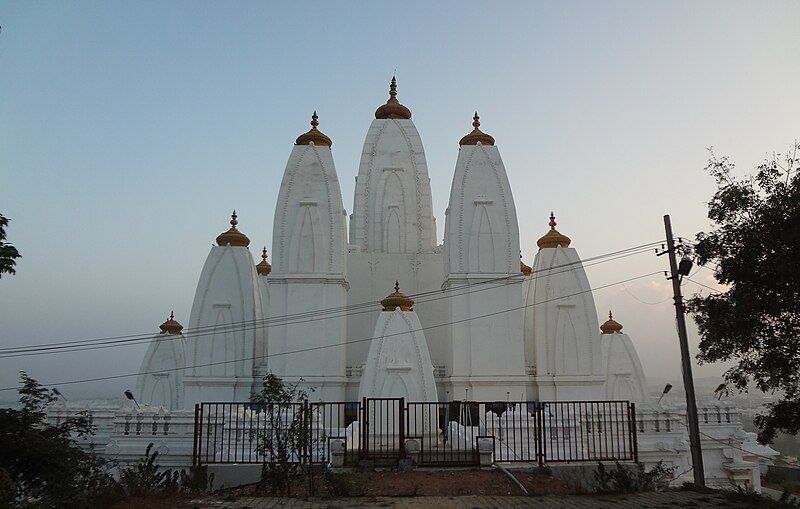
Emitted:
<point x="128" y="132"/>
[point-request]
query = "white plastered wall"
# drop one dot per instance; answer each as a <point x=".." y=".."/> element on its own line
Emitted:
<point x="481" y="245"/>
<point x="309" y="273"/>
<point x="221" y="352"/>
<point x="562" y="335"/>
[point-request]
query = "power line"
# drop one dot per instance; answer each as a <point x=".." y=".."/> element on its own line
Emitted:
<point x="312" y="316"/>
<point x="321" y="347"/>
<point x="704" y="286"/>
<point x="303" y="316"/>
<point x="644" y="301"/>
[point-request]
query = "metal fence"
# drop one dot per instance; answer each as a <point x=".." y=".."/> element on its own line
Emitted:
<point x="446" y="434"/>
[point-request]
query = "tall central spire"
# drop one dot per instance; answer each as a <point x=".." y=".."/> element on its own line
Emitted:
<point x="393" y="108"/>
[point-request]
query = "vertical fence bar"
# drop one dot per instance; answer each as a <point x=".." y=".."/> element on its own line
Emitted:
<point x="634" y="441"/>
<point x="194" y="442"/>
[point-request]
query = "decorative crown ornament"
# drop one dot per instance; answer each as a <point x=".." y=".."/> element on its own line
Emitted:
<point x="313" y="135"/>
<point x="526" y="270"/>
<point x="393" y="108"/>
<point x="233" y="237"/>
<point x="476" y="136"/>
<point x="263" y="268"/>
<point x="171" y="326"/>
<point x="397" y="300"/>
<point x="611" y="326"/>
<point x="553" y="238"/>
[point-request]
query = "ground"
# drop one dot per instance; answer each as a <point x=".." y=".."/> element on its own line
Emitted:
<point x="666" y="500"/>
<point x="469" y="489"/>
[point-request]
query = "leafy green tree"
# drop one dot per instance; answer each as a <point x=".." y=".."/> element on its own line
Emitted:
<point x="286" y="434"/>
<point x="8" y="253"/>
<point x="754" y="250"/>
<point x="42" y="462"/>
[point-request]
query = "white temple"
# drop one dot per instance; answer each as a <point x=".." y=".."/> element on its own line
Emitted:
<point x="482" y="325"/>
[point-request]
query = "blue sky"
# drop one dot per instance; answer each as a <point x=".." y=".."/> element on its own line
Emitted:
<point x="128" y="132"/>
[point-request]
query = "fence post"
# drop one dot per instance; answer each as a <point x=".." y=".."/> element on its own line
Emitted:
<point x="401" y="417"/>
<point x="195" y="442"/>
<point x="632" y="433"/>
<point x="362" y="438"/>
<point x="538" y="423"/>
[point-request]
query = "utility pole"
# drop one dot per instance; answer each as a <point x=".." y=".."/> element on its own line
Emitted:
<point x="686" y="361"/>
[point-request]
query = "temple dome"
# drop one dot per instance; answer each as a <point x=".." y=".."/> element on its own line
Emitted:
<point x="553" y="238"/>
<point x="397" y="300"/>
<point x="611" y="326"/>
<point x="313" y="135"/>
<point x="233" y="237"/>
<point x="476" y="136"/>
<point x="393" y="108"/>
<point x="171" y="326"/>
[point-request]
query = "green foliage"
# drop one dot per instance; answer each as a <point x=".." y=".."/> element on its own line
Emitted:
<point x="7" y="489"/>
<point x="42" y="466"/>
<point x="754" y="246"/>
<point x="42" y="461"/>
<point x="344" y="484"/>
<point x="286" y="434"/>
<point x="623" y="479"/>
<point x="147" y="478"/>
<point x="8" y="253"/>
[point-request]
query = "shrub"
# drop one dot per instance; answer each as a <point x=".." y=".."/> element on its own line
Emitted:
<point x="622" y="479"/>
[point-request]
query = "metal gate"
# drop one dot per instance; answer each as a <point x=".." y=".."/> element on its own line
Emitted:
<point x="430" y="433"/>
<point x="382" y="430"/>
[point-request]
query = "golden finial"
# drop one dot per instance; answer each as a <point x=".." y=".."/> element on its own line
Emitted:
<point x="611" y="326"/>
<point x="233" y="237"/>
<point x="526" y="270"/>
<point x="263" y="268"/>
<point x="397" y="300"/>
<point x="393" y="108"/>
<point x="313" y="135"/>
<point x="476" y="136"/>
<point x="171" y="326"/>
<point x="553" y="238"/>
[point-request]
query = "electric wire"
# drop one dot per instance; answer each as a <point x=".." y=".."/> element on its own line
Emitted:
<point x="228" y="328"/>
<point x="336" y="345"/>
<point x="314" y="315"/>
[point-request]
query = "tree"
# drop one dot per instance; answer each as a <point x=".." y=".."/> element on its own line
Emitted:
<point x="753" y="250"/>
<point x="286" y="434"/>
<point x="8" y="253"/>
<point x="41" y="462"/>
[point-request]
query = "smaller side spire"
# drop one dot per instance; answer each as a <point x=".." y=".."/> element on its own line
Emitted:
<point x="397" y="300"/>
<point x="314" y="135"/>
<point x="233" y="237"/>
<point x="553" y="238"/>
<point x="611" y="326"/>
<point x="393" y="108"/>
<point x="171" y="326"/>
<point x="476" y="136"/>
<point x="263" y="268"/>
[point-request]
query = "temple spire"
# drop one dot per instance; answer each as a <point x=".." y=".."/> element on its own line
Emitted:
<point x="314" y="135"/>
<point x="263" y="268"/>
<point x="393" y="108"/>
<point x="611" y="326"/>
<point x="553" y="238"/>
<point x="476" y="136"/>
<point x="233" y="237"/>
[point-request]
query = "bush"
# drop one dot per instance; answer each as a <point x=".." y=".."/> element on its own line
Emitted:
<point x="42" y="462"/>
<point x="622" y="479"/>
<point x="344" y="484"/>
<point x="146" y="478"/>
